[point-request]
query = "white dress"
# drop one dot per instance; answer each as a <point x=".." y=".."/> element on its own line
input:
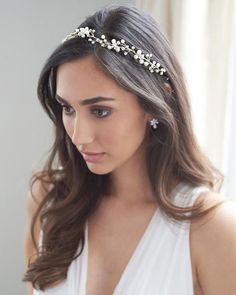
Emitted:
<point x="160" y="264"/>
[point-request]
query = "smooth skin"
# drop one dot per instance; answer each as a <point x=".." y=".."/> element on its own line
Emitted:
<point x="39" y="193"/>
<point x="117" y="127"/>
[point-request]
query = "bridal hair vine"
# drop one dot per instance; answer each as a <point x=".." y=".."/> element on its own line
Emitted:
<point x="120" y="45"/>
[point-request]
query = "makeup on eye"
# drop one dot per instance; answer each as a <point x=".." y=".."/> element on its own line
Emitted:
<point x="67" y="110"/>
<point x="108" y="111"/>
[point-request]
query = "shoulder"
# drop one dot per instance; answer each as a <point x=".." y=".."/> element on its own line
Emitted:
<point x="213" y="242"/>
<point x="37" y="191"/>
<point x="35" y="194"/>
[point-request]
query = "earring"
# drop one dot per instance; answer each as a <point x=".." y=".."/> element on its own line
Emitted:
<point x="154" y="122"/>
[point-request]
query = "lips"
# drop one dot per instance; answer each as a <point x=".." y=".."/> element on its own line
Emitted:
<point x="89" y="157"/>
<point x="86" y="153"/>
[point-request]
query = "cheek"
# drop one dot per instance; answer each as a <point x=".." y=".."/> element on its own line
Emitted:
<point x="124" y="136"/>
<point x="68" y="124"/>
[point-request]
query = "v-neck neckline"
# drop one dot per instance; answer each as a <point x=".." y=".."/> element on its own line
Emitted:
<point x="136" y="249"/>
<point x="131" y="257"/>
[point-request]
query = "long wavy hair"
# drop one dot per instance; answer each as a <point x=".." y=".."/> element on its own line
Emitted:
<point x="172" y="151"/>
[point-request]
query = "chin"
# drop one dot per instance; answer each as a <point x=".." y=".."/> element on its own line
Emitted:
<point x="99" y="170"/>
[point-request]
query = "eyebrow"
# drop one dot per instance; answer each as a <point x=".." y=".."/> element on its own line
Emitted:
<point x="86" y="101"/>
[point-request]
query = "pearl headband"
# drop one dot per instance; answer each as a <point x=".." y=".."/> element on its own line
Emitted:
<point x="118" y="46"/>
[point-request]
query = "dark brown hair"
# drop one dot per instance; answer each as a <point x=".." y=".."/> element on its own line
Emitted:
<point x="172" y="151"/>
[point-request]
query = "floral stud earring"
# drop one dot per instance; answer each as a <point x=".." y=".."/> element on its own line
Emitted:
<point x="154" y="122"/>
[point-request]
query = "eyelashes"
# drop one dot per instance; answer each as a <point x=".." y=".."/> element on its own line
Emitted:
<point x="66" y="109"/>
<point x="99" y="112"/>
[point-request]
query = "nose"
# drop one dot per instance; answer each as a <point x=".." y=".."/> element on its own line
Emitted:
<point x="82" y="132"/>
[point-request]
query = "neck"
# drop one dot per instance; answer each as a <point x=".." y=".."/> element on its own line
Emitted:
<point x="131" y="185"/>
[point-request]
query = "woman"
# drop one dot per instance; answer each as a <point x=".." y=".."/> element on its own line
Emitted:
<point x="117" y="221"/>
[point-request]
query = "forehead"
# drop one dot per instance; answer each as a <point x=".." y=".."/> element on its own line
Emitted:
<point x="82" y="78"/>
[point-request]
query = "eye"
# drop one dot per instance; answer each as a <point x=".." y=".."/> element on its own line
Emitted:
<point x="101" y="112"/>
<point x="67" y="110"/>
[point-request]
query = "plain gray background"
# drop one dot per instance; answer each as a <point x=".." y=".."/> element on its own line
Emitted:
<point x="30" y="30"/>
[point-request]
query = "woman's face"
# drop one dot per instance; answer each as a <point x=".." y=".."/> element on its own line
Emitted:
<point x="115" y="126"/>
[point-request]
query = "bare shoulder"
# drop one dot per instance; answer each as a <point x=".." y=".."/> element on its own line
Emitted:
<point x="38" y="190"/>
<point x="35" y="195"/>
<point x="213" y="243"/>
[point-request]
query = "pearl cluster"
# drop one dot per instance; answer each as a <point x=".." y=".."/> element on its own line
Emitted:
<point x="118" y="45"/>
